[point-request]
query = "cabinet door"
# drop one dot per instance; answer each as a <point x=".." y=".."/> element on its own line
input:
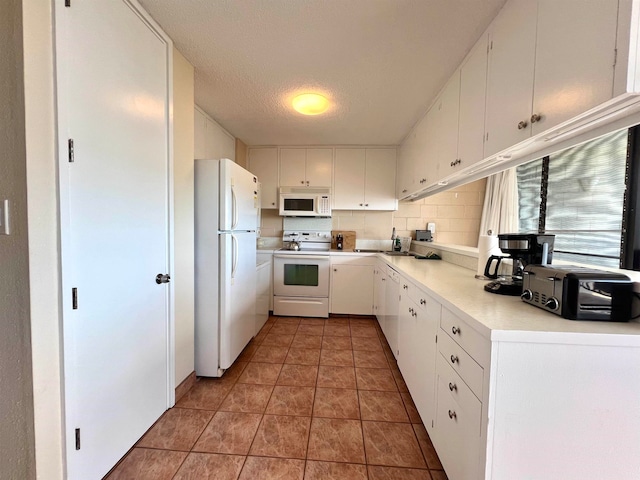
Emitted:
<point x="218" y="143"/>
<point x="473" y="89"/>
<point x="348" y="183"/>
<point x="406" y="328"/>
<point x="292" y="167"/>
<point x="447" y="128"/>
<point x="319" y="167"/>
<point x="510" y="76"/>
<point x="200" y="135"/>
<point x="380" y="179"/>
<point x="263" y="163"/>
<point x="426" y="159"/>
<point x="574" y="65"/>
<point x="423" y="345"/>
<point x="405" y="170"/>
<point x="392" y="313"/>
<point x="352" y="289"/>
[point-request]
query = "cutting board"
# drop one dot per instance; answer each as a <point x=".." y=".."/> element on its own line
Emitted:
<point x="348" y="242"/>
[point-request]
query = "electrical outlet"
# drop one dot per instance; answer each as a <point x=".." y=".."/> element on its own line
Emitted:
<point x="431" y="226"/>
<point x="4" y="218"/>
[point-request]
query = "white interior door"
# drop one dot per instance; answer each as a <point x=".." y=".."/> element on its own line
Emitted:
<point x="113" y="102"/>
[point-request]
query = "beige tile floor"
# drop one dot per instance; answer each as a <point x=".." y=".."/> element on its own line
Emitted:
<point x="307" y="399"/>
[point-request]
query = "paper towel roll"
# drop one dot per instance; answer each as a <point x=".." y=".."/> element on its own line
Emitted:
<point x="487" y="246"/>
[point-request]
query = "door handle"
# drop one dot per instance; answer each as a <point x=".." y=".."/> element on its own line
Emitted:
<point x="234" y="209"/>
<point x="163" y="278"/>
<point x="234" y="256"/>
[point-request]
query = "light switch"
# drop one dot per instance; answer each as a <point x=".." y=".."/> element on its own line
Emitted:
<point x="4" y="218"/>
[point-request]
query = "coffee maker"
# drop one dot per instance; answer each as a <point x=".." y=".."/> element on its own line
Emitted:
<point x="522" y="249"/>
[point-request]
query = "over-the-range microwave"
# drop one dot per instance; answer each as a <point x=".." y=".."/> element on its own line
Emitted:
<point x="305" y="201"/>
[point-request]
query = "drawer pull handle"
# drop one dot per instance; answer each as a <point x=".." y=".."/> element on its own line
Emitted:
<point x="454" y="359"/>
<point x="453" y="386"/>
<point x="455" y="330"/>
<point x="452" y="414"/>
<point x="423" y="301"/>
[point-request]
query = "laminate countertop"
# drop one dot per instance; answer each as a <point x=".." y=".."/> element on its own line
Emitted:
<point x="504" y="318"/>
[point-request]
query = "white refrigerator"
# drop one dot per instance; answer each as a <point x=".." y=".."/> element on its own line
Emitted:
<point x="226" y="203"/>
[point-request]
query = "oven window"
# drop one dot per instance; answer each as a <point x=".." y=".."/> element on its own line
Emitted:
<point x="298" y="204"/>
<point x="301" y="275"/>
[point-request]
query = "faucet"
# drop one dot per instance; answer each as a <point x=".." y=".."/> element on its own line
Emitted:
<point x="393" y="234"/>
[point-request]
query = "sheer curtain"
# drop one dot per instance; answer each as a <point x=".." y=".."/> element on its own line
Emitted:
<point x="500" y="210"/>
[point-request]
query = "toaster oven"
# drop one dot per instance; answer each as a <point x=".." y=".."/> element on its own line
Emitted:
<point x="578" y="293"/>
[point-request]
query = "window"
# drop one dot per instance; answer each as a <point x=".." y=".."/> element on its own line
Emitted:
<point x="578" y="195"/>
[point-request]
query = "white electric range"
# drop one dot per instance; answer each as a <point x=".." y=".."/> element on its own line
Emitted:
<point x="301" y="277"/>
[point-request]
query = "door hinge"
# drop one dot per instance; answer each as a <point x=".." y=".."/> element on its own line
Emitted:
<point x="71" y="150"/>
<point x="431" y="423"/>
<point x="486" y="137"/>
<point x="436" y="338"/>
<point x="74" y="298"/>
<point x="491" y="45"/>
<point x="615" y="56"/>
<point x="77" y="439"/>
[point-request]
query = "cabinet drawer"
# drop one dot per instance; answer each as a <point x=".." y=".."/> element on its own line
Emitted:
<point x="457" y="427"/>
<point x="418" y="296"/>
<point x="342" y="259"/>
<point x="461" y="362"/>
<point x="471" y="341"/>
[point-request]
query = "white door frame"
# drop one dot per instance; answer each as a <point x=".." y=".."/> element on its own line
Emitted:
<point x="61" y="97"/>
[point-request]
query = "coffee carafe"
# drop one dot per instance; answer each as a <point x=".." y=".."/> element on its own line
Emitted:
<point x="521" y="249"/>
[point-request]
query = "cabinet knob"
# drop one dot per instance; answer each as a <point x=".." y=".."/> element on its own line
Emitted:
<point x="273" y="203"/>
<point x="452" y="414"/>
<point x="410" y="309"/>
<point x="335" y="269"/>
<point x="535" y="118"/>
<point x="454" y="359"/>
<point x="455" y="330"/>
<point x="423" y="301"/>
<point x="523" y="124"/>
<point x="307" y="183"/>
<point x="404" y="191"/>
<point x="366" y="204"/>
<point x="302" y="182"/>
<point x="405" y="287"/>
<point x="453" y="386"/>
<point x="414" y="314"/>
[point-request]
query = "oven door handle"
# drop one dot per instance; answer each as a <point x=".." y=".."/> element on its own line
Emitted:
<point x="306" y="257"/>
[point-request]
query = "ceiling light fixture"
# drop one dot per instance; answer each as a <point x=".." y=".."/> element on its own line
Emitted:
<point x="310" y="104"/>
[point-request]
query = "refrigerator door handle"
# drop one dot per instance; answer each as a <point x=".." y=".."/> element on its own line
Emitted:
<point x="234" y="256"/>
<point x="234" y="209"/>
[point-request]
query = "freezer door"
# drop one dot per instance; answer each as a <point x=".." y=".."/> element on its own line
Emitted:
<point x="238" y="197"/>
<point x="237" y="294"/>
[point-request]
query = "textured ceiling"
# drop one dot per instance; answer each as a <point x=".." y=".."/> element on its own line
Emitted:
<point x="380" y="62"/>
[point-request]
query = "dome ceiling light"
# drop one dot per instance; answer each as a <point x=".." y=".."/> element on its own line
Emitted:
<point x="310" y="104"/>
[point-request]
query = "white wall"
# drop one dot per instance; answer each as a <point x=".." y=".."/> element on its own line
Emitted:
<point x="183" y="236"/>
<point x="16" y="397"/>
<point x="43" y="235"/>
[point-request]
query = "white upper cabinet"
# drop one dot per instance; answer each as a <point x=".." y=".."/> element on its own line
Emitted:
<point x="512" y="49"/>
<point x="473" y="87"/>
<point x="263" y="163"/>
<point x="448" y="106"/>
<point x="380" y="179"/>
<point x="574" y="66"/>
<point x="365" y="179"/>
<point x="310" y="167"/>
<point x="549" y="62"/>
<point x="292" y="166"/>
<point x="348" y="186"/>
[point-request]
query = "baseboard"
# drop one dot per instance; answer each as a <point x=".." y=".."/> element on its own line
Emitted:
<point x="185" y="386"/>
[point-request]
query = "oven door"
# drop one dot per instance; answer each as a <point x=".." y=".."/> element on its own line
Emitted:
<point x="300" y="275"/>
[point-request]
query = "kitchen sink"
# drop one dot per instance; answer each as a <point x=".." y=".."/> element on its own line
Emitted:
<point x="386" y="252"/>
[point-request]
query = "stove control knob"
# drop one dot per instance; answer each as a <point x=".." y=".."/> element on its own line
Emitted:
<point x="526" y="295"/>
<point x="552" y="303"/>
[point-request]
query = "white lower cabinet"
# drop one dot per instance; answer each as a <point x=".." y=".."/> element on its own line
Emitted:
<point x="263" y="294"/>
<point x="351" y="283"/>
<point x="380" y="292"/>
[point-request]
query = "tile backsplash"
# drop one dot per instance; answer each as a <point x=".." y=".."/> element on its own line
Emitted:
<point x="456" y="213"/>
